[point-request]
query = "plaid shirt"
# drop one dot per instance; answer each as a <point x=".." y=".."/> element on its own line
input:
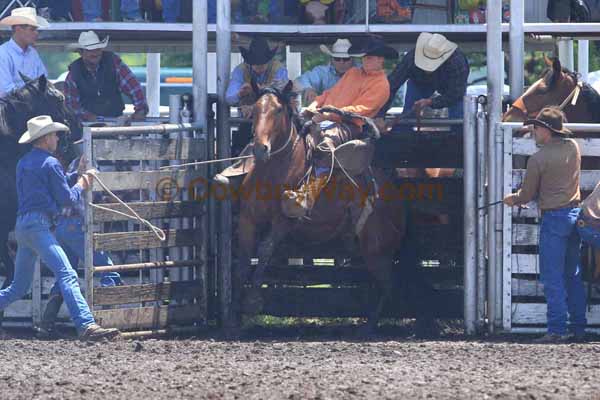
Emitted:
<point x="128" y="85"/>
<point x="449" y="80"/>
<point x="388" y="8"/>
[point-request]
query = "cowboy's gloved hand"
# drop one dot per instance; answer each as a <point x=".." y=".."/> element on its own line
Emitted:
<point x="245" y="90"/>
<point x="509" y="200"/>
<point x="82" y="166"/>
<point x="420" y="105"/>
<point x="123" y="121"/>
<point x="139" y="115"/>
<point x="318" y="118"/>
<point x="309" y="95"/>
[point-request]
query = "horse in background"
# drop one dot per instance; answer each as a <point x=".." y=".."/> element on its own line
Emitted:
<point x="281" y="162"/>
<point x="37" y="97"/>
<point x="556" y="87"/>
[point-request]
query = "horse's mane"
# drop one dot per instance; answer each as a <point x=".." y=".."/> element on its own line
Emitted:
<point x="286" y="95"/>
<point x="16" y="102"/>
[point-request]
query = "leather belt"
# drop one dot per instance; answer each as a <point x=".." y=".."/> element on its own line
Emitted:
<point x="572" y="204"/>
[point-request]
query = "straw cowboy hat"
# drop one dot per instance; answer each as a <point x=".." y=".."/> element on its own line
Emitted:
<point x="373" y="46"/>
<point x="339" y="49"/>
<point x="258" y="52"/>
<point x="89" y="41"/>
<point x="41" y="126"/>
<point x="24" y="16"/>
<point x="432" y="51"/>
<point x="550" y="118"/>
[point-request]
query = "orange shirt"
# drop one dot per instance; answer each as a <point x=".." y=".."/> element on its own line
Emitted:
<point x="359" y="92"/>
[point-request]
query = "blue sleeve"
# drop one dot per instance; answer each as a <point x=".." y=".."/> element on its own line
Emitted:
<point x="72" y="178"/>
<point x="7" y="83"/>
<point x="235" y="84"/>
<point x="59" y="187"/>
<point x="281" y="74"/>
<point x="311" y="79"/>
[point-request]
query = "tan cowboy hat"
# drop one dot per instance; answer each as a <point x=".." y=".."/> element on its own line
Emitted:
<point x="24" y="16"/>
<point x="432" y="51"/>
<point x="339" y="49"/>
<point x="88" y="41"/>
<point x="40" y="126"/>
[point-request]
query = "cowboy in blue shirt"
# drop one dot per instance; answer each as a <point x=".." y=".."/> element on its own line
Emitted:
<point x="71" y="237"/>
<point x="17" y="56"/>
<point x="323" y="77"/>
<point x="42" y="190"/>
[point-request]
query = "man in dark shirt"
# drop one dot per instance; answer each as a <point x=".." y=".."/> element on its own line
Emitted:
<point x="42" y="189"/>
<point x="436" y="73"/>
<point x="95" y="82"/>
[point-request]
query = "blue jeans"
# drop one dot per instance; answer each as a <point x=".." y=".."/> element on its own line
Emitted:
<point x="560" y="272"/>
<point x="130" y="9"/>
<point x="34" y="238"/>
<point x="71" y="237"/>
<point x="416" y="92"/>
<point x="91" y="9"/>
<point x="171" y="10"/>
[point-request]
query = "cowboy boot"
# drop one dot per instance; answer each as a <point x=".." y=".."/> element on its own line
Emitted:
<point x="46" y="328"/>
<point x="299" y="203"/>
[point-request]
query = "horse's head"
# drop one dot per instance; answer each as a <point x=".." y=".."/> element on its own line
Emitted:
<point x="272" y="119"/>
<point x="553" y="88"/>
<point x="38" y="97"/>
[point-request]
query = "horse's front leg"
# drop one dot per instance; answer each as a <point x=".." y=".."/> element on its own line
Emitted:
<point x="266" y="249"/>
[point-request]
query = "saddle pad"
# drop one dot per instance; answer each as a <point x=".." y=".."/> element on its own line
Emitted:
<point x="354" y="156"/>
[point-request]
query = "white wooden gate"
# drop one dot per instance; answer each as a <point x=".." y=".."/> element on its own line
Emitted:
<point x="523" y="304"/>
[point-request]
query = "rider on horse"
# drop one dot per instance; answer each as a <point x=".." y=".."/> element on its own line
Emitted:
<point x="362" y="91"/>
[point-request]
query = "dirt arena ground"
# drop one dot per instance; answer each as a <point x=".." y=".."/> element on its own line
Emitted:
<point x="301" y="364"/>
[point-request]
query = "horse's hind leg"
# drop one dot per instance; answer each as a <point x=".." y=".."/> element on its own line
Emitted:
<point x="381" y="269"/>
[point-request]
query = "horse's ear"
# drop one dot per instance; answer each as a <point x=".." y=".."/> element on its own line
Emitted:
<point x="288" y="87"/>
<point x="556" y="67"/>
<point x="24" y="77"/>
<point x="42" y="83"/>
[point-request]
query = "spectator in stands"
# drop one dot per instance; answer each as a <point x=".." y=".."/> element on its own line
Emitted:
<point x="57" y="10"/>
<point x="552" y="178"/>
<point x="17" y="55"/>
<point x="97" y="79"/>
<point x="435" y="73"/>
<point x="258" y="65"/>
<point x="322" y="77"/>
<point x="315" y="11"/>
<point x="171" y="9"/>
<point x="393" y="11"/>
<point x="130" y="10"/>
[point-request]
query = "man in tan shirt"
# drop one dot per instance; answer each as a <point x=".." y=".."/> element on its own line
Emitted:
<point x="552" y="178"/>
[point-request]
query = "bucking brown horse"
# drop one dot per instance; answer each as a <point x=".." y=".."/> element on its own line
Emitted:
<point x="281" y="163"/>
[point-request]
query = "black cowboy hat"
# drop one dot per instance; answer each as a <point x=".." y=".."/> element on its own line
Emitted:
<point x="373" y="46"/>
<point x="258" y="52"/>
<point x="551" y="118"/>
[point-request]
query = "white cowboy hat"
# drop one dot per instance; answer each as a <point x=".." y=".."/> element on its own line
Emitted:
<point x="339" y="49"/>
<point x="25" y="16"/>
<point x="432" y="51"/>
<point x="89" y="41"/>
<point x="40" y="126"/>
